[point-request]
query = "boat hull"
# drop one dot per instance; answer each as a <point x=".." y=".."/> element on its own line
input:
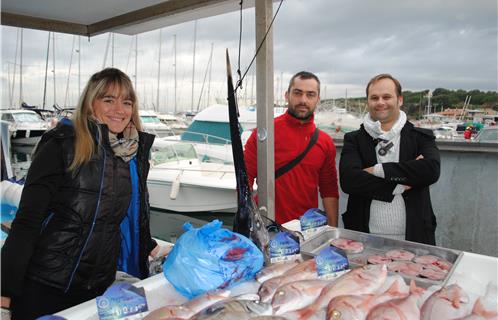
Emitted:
<point x="191" y="198"/>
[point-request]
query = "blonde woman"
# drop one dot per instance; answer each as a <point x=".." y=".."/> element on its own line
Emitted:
<point x="84" y="210"/>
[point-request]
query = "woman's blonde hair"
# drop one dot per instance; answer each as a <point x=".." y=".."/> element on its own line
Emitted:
<point x="96" y="88"/>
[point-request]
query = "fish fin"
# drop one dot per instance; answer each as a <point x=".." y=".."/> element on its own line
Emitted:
<point x="480" y="310"/>
<point x="416" y="290"/>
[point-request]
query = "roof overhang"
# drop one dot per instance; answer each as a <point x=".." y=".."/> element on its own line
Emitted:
<point x="93" y="17"/>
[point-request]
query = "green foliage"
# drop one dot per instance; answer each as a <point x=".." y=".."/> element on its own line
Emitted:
<point x="415" y="102"/>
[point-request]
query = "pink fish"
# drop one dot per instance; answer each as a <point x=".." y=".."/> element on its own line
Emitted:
<point x="356" y="307"/>
<point x="296" y="295"/>
<point x="304" y="271"/>
<point x="486" y="307"/>
<point x="399" y="309"/>
<point x="450" y="302"/>
<point x="188" y="309"/>
<point x="275" y="270"/>
<point x="481" y="312"/>
<point x="365" y="280"/>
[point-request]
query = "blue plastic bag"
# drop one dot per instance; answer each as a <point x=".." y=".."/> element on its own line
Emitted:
<point x="211" y="257"/>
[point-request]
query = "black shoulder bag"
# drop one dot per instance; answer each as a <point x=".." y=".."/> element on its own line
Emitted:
<point x="283" y="169"/>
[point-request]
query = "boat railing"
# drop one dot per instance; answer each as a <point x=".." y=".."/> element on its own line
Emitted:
<point x="207" y="138"/>
<point x="180" y="171"/>
<point x="161" y="133"/>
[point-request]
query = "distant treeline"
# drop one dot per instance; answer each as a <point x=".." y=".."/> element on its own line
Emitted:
<point x="415" y="103"/>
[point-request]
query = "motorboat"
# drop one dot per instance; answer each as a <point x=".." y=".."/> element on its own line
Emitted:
<point x="209" y="132"/>
<point x="152" y="124"/>
<point x="337" y="120"/>
<point x="179" y="181"/>
<point x="26" y="127"/>
<point x="176" y="124"/>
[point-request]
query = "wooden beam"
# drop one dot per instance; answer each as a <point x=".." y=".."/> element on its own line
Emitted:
<point x="161" y="10"/>
<point x="164" y="9"/>
<point x="23" y="21"/>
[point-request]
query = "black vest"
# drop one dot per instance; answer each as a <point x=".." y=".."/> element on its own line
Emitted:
<point x="79" y="243"/>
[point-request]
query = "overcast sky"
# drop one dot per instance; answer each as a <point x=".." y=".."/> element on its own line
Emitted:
<point x="426" y="44"/>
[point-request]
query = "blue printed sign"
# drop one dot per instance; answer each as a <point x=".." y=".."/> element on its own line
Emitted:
<point x="331" y="262"/>
<point x="120" y="301"/>
<point x="284" y="246"/>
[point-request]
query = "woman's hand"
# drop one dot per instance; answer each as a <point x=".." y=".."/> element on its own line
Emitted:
<point x="5" y="302"/>
<point x="160" y="251"/>
<point x="5" y="314"/>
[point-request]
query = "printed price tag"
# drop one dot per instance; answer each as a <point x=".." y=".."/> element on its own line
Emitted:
<point x="122" y="301"/>
<point x="284" y="247"/>
<point x="313" y="221"/>
<point x="331" y="262"/>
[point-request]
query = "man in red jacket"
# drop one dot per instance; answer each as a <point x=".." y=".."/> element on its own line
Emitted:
<point x="297" y="189"/>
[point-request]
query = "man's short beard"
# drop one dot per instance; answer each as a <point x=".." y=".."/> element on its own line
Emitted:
<point x="295" y="115"/>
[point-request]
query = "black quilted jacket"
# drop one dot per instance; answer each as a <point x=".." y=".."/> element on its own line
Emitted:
<point x="67" y="230"/>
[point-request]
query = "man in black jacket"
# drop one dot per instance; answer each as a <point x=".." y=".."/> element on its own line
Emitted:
<point x="387" y="167"/>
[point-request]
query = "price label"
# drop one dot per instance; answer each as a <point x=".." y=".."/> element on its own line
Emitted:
<point x="122" y="301"/>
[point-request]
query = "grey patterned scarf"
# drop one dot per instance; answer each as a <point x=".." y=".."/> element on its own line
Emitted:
<point x="125" y="146"/>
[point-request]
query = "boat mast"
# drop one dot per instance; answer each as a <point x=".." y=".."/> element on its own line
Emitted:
<point x="69" y="73"/>
<point x="20" y="72"/>
<point x="136" y="59"/>
<point x="205" y="75"/>
<point x="346" y="101"/>
<point x="159" y="71"/>
<point x="46" y="72"/>
<point x="112" y="49"/>
<point x="79" y="65"/>
<point x="53" y="64"/>
<point x="106" y="50"/>
<point x="193" y="68"/>
<point x="174" y="65"/>
<point x="210" y="72"/>
<point x="14" y="74"/>
<point x="429" y="107"/>
<point x="9" y="83"/>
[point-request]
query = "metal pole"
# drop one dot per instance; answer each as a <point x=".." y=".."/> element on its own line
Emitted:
<point x="79" y="65"/>
<point x="106" y="50"/>
<point x="174" y="46"/>
<point x="69" y="74"/>
<point x="136" y="60"/>
<point x="264" y="102"/>
<point x="210" y="71"/>
<point x="53" y="64"/>
<point x="20" y="72"/>
<point x="159" y="71"/>
<point x="14" y="75"/>
<point x="112" y="49"/>
<point x="193" y="68"/>
<point x="46" y="71"/>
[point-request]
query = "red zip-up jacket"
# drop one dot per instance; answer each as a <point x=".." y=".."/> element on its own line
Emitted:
<point x="297" y="190"/>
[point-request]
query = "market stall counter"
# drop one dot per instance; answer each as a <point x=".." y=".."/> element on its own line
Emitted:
<point x="432" y="271"/>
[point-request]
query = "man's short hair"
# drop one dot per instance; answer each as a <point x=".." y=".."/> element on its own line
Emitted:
<point x="305" y="75"/>
<point x="385" y="76"/>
